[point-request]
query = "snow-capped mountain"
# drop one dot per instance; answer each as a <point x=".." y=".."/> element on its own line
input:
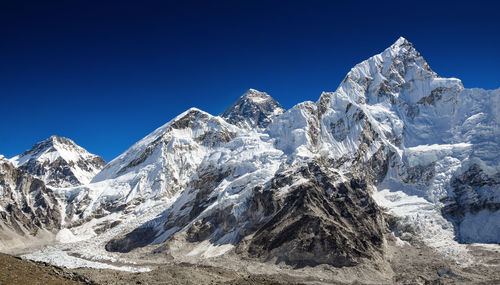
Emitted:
<point x="254" y="109"/>
<point x="394" y="124"/>
<point x="435" y="128"/>
<point x="309" y="185"/>
<point x="412" y="134"/>
<point x="161" y="164"/>
<point x="244" y="186"/>
<point x="59" y="162"/>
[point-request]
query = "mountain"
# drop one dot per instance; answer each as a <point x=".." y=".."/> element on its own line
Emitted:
<point x="393" y="125"/>
<point x="243" y="187"/>
<point x="59" y="162"/>
<point x="254" y="109"/>
<point x="161" y="164"/>
<point x="412" y="134"/>
<point x="395" y="153"/>
<point x="29" y="212"/>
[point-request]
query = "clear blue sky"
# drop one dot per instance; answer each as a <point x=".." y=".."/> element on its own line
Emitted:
<point x="106" y="73"/>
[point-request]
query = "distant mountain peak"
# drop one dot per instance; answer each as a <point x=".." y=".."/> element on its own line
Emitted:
<point x="254" y="109"/>
<point x="192" y="114"/>
<point x="59" y="162"/>
<point x="57" y="146"/>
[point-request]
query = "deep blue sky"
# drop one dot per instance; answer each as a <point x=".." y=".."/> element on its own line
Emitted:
<point x="105" y="73"/>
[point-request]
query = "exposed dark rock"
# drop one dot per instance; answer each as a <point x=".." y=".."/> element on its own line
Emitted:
<point x="137" y="238"/>
<point x="254" y="109"/>
<point x="26" y="205"/>
<point x="321" y="222"/>
<point x="104" y="227"/>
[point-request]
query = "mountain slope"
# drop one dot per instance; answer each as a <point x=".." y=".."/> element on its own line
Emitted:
<point x="425" y="131"/>
<point x="27" y="209"/>
<point x="28" y="272"/>
<point x="156" y="167"/>
<point x="59" y="162"/>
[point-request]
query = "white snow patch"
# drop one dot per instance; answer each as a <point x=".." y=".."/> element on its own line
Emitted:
<point x="61" y="258"/>
<point x="65" y="236"/>
<point x="427" y="154"/>
<point x="208" y="250"/>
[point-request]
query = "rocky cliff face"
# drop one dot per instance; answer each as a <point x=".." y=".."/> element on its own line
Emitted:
<point x="474" y="204"/>
<point x="319" y="221"/>
<point x="59" y="162"/>
<point x="27" y="207"/>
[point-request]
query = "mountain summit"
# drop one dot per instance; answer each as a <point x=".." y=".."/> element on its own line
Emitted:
<point x="59" y="162"/>
<point x="254" y="109"/>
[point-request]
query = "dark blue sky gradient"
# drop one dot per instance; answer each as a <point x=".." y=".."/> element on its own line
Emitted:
<point x="106" y="74"/>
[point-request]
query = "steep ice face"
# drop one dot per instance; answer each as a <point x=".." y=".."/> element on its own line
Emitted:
<point x="296" y="131"/>
<point x="476" y="119"/>
<point x="254" y="109"/>
<point x="389" y="92"/>
<point x="59" y="162"/>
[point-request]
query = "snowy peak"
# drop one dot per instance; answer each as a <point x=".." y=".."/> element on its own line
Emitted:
<point x="59" y="162"/>
<point x="162" y="163"/>
<point x="254" y="109"/>
<point x="397" y="76"/>
<point x="402" y="48"/>
<point x="402" y="45"/>
<point x="49" y="149"/>
<point x="401" y="41"/>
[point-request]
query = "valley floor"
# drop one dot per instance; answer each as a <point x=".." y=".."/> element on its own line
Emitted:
<point x="404" y="264"/>
<point x="409" y="265"/>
